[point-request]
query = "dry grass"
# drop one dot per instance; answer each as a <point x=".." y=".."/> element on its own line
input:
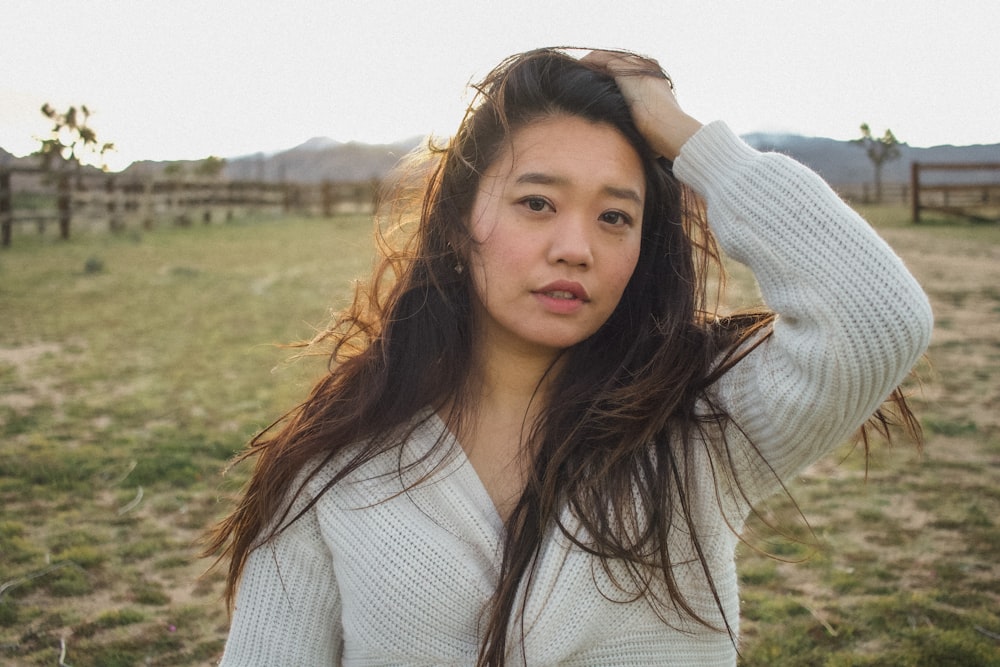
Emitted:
<point x="904" y="567"/>
<point x="133" y="366"/>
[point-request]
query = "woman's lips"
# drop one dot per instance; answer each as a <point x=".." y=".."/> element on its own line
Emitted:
<point x="564" y="289"/>
<point x="562" y="297"/>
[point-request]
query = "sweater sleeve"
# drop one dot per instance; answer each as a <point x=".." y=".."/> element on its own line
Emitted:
<point x="851" y="320"/>
<point x="288" y="603"/>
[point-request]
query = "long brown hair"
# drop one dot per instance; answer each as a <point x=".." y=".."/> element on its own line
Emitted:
<point x="626" y="416"/>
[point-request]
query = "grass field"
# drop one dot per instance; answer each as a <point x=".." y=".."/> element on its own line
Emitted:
<point x="133" y="366"/>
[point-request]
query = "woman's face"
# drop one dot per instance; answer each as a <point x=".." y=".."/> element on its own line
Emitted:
<point x="557" y="224"/>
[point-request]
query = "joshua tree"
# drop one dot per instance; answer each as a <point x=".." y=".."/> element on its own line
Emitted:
<point x="71" y="139"/>
<point x="880" y="150"/>
<point x="210" y="167"/>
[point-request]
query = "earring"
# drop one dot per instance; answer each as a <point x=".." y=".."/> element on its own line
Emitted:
<point x="458" y="268"/>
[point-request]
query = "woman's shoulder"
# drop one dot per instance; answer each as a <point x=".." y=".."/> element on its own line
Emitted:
<point x="384" y="462"/>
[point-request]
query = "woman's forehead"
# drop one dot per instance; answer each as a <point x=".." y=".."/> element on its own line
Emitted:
<point x="564" y="149"/>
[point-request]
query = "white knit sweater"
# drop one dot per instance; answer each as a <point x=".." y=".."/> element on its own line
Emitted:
<point x="369" y="577"/>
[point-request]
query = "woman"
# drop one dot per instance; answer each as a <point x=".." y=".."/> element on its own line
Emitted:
<point x="535" y="444"/>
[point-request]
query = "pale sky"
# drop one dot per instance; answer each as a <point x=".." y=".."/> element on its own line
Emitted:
<point x="185" y="79"/>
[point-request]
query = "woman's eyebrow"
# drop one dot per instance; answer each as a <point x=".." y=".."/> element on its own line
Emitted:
<point x="540" y="178"/>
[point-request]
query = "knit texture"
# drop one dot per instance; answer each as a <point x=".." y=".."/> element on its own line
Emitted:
<point x="372" y="576"/>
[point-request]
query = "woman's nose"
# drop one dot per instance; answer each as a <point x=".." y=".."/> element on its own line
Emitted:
<point x="570" y="241"/>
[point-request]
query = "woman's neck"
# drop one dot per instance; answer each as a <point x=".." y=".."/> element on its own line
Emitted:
<point x="505" y="396"/>
<point x="512" y="382"/>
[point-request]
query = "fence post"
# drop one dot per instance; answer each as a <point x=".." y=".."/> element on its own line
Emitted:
<point x="148" y="205"/>
<point x="114" y="215"/>
<point x="64" y="202"/>
<point x="326" y="194"/>
<point x="230" y="200"/>
<point x="6" y="215"/>
<point x="915" y="190"/>
<point x="182" y="199"/>
<point x="374" y="190"/>
<point x="207" y="200"/>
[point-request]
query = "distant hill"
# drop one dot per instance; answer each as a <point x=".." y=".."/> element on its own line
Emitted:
<point x="322" y="158"/>
<point x="841" y="162"/>
<point x="10" y="160"/>
<point x="318" y="159"/>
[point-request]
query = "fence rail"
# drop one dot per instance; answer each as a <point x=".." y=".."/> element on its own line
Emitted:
<point x="864" y="193"/>
<point x="976" y="199"/>
<point x="72" y="199"/>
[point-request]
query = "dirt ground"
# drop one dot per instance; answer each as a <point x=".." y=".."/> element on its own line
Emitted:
<point x="962" y="382"/>
<point x="958" y="402"/>
<point x="925" y="497"/>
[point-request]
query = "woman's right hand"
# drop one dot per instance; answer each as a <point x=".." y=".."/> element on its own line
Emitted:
<point x="650" y="96"/>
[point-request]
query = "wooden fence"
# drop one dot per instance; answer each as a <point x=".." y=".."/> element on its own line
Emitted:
<point x="864" y="193"/>
<point x="976" y="199"/>
<point x="74" y="200"/>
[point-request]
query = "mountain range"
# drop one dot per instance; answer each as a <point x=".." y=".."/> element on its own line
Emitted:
<point x="320" y="159"/>
<point x="843" y="162"/>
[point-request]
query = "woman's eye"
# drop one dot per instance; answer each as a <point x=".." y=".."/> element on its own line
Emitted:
<point x="536" y="204"/>
<point x="615" y="218"/>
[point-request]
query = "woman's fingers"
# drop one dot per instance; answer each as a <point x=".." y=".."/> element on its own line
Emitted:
<point x="651" y="99"/>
